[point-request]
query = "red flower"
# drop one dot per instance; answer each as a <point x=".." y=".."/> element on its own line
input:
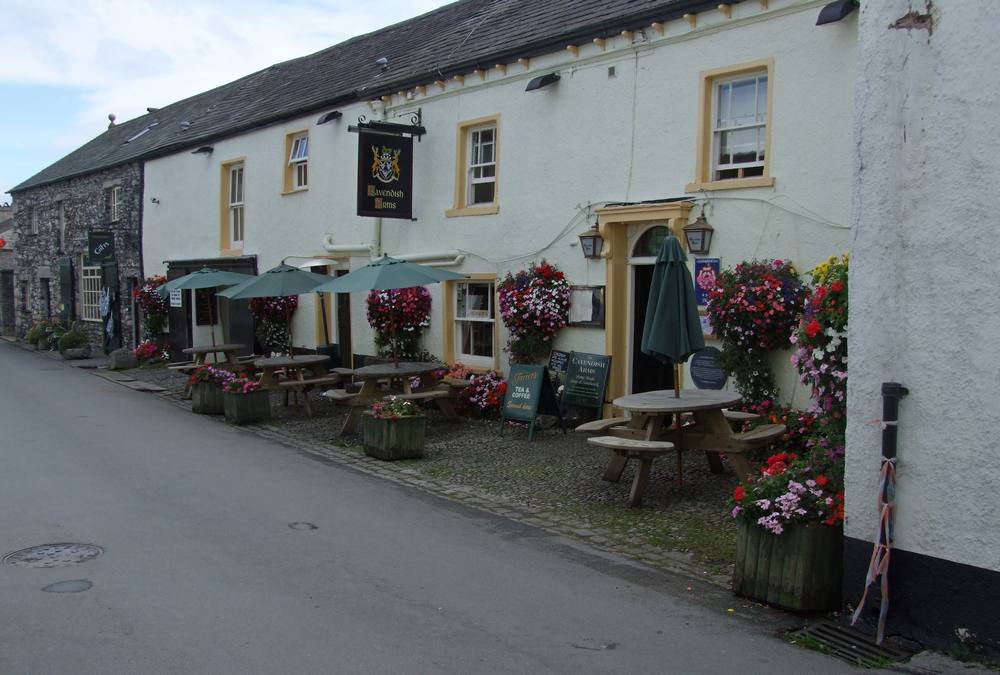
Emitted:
<point x="739" y="493"/>
<point x="813" y="328"/>
<point x="821" y="480"/>
<point x="837" y="286"/>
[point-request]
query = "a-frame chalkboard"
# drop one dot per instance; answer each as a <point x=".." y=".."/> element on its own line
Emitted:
<point x="529" y="394"/>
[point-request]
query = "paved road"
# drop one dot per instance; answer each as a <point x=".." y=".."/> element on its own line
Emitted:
<point x="202" y="573"/>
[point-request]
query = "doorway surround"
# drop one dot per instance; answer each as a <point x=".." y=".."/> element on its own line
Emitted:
<point x="613" y="222"/>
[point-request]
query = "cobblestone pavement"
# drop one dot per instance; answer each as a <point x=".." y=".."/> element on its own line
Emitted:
<point x="553" y="482"/>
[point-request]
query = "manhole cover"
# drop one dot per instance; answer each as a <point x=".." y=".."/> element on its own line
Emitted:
<point x="52" y="555"/>
<point x="72" y="586"/>
<point x="302" y="526"/>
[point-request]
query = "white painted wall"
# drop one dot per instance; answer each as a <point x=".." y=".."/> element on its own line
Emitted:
<point x="589" y="139"/>
<point x="924" y="308"/>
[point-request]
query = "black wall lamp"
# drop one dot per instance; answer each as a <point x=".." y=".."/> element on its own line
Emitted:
<point x="203" y="150"/>
<point x="330" y="116"/>
<point x="698" y="235"/>
<point x="542" y="81"/>
<point x="592" y="243"/>
<point x="835" y="11"/>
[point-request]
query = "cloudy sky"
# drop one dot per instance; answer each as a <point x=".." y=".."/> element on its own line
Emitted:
<point x="66" y="65"/>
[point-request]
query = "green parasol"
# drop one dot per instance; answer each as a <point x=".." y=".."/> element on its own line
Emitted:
<point x="280" y="281"/>
<point x="386" y="274"/>
<point x="672" y="331"/>
<point x="206" y="277"/>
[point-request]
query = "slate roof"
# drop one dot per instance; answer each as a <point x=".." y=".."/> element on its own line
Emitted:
<point x="450" y="40"/>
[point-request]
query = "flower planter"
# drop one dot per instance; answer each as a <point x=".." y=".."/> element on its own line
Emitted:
<point x="206" y="398"/>
<point x="247" y="408"/>
<point x="798" y="570"/>
<point x="393" y="438"/>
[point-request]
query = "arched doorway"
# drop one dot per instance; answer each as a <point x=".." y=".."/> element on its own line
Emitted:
<point x="615" y="224"/>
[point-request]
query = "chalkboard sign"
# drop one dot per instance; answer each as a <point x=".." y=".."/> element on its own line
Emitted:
<point x="558" y="360"/>
<point x="529" y="394"/>
<point x="705" y="370"/>
<point x="100" y="246"/>
<point x="586" y="380"/>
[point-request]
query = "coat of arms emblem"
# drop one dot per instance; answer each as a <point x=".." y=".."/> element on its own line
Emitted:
<point x="385" y="163"/>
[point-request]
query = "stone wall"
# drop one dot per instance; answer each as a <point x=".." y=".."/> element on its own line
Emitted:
<point x="86" y="206"/>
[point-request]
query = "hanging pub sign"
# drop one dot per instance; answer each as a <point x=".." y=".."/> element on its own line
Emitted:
<point x="385" y="175"/>
<point x="101" y="246"/>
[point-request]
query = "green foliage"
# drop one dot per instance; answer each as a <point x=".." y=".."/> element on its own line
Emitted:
<point x="72" y="338"/>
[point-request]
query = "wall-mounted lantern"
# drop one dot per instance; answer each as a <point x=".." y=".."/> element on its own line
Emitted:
<point x="698" y="235"/>
<point x="591" y="242"/>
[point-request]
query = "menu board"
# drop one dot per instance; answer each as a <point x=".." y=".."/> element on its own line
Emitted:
<point x="705" y="371"/>
<point x="586" y="380"/>
<point x="558" y="361"/>
<point x="529" y="393"/>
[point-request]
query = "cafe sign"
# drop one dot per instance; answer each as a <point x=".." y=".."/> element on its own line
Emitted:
<point x="100" y="246"/>
<point x="385" y="175"/>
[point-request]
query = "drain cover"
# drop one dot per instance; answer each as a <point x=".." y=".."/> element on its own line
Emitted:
<point x="302" y="526"/>
<point x="847" y="644"/>
<point x="52" y="555"/>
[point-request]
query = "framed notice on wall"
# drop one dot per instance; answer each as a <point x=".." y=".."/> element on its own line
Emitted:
<point x="586" y="306"/>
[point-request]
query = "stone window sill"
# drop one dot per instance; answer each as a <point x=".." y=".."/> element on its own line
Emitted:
<point x="732" y="184"/>
<point x="488" y="210"/>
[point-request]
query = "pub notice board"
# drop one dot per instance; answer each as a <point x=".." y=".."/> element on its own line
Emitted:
<point x="586" y="380"/>
<point x="529" y="394"/>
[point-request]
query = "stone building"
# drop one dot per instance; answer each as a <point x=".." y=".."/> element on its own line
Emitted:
<point x="56" y="214"/>
<point x="9" y="239"/>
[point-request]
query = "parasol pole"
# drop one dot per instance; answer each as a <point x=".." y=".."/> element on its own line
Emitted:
<point x="211" y="319"/>
<point x="392" y="321"/>
<point x="288" y="326"/>
<point x="677" y="381"/>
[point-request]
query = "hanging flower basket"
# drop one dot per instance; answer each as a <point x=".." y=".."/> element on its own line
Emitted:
<point x="799" y="570"/>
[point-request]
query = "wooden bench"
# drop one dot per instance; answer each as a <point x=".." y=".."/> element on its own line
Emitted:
<point x="441" y="398"/>
<point x="601" y="426"/>
<point x="303" y="386"/>
<point x="623" y="450"/>
<point x="338" y="395"/>
<point x="742" y="442"/>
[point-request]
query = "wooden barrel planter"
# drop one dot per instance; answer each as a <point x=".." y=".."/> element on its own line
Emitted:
<point x="247" y="408"/>
<point x="798" y="570"/>
<point x="393" y="438"/>
<point x="206" y="398"/>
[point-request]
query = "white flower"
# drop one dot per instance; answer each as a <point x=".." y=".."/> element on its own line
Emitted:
<point x="817" y="354"/>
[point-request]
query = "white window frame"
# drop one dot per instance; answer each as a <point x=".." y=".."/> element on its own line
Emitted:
<point x="236" y="186"/>
<point x="115" y="200"/>
<point x="759" y="123"/>
<point x="475" y="360"/>
<point x="476" y="144"/>
<point x="90" y="292"/>
<point x="298" y="161"/>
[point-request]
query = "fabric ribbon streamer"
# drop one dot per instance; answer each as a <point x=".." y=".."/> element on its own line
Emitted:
<point x="878" y="568"/>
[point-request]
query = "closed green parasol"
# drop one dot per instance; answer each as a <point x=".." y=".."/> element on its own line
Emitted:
<point x="672" y="331"/>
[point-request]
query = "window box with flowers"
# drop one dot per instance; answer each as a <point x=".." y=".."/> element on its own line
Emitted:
<point x="392" y="429"/>
<point x="206" y="390"/>
<point x="244" y="402"/>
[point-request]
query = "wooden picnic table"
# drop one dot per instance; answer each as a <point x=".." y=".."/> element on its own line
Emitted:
<point x="229" y="353"/>
<point x="652" y="419"/>
<point x="295" y="375"/>
<point x="398" y="379"/>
